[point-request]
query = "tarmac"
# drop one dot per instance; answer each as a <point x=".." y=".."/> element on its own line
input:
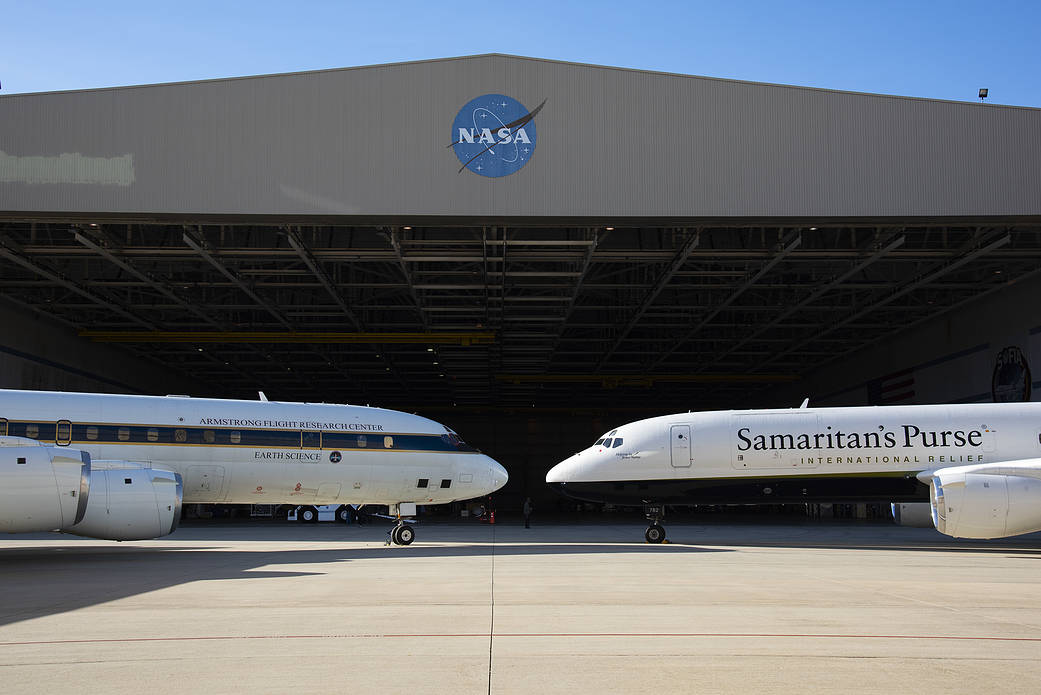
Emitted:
<point x="560" y="608"/>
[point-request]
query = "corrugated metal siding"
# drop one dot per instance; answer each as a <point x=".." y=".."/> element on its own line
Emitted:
<point x="611" y="142"/>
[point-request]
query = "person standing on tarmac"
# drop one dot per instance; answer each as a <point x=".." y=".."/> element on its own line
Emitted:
<point x="528" y="509"/>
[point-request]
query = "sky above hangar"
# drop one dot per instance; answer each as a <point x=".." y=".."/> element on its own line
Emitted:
<point x="927" y="48"/>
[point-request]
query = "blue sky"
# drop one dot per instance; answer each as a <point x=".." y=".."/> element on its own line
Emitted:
<point x="943" y="50"/>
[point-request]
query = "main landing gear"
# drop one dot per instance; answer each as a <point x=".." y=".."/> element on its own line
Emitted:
<point x="655" y="532"/>
<point x="403" y="533"/>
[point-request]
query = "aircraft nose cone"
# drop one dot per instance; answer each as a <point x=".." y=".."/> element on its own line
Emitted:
<point x="499" y="475"/>
<point x="559" y="472"/>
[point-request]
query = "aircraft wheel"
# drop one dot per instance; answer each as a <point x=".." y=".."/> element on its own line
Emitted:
<point x="308" y="515"/>
<point x="655" y="533"/>
<point x="404" y="535"/>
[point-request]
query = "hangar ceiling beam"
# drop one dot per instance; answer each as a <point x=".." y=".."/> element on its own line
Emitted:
<point x="583" y="273"/>
<point x="128" y="267"/>
<point x="914" y="284"/>
<point x="167" y="292"/>
<point x="12" y="252"/>
<point x="395" y="241"/>
<point x="677" y="262"/>
<point x="767" y="267"/>
<point x="813" y="296"/>
<point x="312" y="264"/>
<point x="199" y="246"/>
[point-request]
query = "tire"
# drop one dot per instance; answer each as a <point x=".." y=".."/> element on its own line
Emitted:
<point x="655" y="533"/>
<point x="344" y="514"/>
<point x="404" y="535"/>
<point x="308" y="515"/>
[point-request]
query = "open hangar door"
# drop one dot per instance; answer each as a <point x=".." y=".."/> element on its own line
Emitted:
<point x="533" y="339"/>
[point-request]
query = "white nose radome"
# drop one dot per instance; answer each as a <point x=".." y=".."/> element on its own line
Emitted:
<point x="498" y="474"/>
<point x="560" y="473"/>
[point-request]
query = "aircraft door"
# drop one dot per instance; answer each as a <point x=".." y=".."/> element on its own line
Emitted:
<point x="63" y="434"/>
<point x="204" y="483"/>
<point x="681" y="449"/>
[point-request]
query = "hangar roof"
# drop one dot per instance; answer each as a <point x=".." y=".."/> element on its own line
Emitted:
<point x="612" y="144"/>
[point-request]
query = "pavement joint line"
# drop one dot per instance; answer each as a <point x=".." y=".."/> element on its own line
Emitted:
<point x="965" y="638"/>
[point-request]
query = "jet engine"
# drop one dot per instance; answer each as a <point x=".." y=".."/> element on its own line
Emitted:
<point x="44" y="487"/>
<point x="987" y="501"/>
<point x="129" y="502"/>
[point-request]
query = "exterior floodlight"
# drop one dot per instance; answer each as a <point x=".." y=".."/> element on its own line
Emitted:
<point x="983" y="93"/>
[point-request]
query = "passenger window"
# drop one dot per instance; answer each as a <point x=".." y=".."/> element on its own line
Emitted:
<point x="3" y="427"/>
<point x="363" y="441"/>
<point x="447" y="482"/>
<point x="153" y="434"/>
<point x="32" y="431"/>
<point x="607" y="443"/>
<point x="388" y="442"/>
<point x="235" y="436"/>
<point x="92" y="432"/>
<point x="209" y="436"/>
<point x="599" y="442"/>
<point x="617" y="442"/>
<point x="180" y="436"/>
<point x="123" y="434"/>
<point x="423" y="482"/>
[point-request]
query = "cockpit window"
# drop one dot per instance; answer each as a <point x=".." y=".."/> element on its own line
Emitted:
<point x="607" y="443"/>
<point x="453" y="440"/>
<point x="617" y="442"/>
<point x="599" y="442"/>
<point x="611" y="433"/>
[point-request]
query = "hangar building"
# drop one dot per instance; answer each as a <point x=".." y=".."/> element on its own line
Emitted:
<point x="530" y="251"/>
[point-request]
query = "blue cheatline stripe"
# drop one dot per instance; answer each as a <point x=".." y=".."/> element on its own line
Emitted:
<point x="924" y="365"/>
<point x="167" y="435"/>
<point x="66" y="368"/>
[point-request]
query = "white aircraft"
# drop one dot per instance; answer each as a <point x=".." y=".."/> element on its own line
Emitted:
<point x="120" y="467"/>
<point x="978" y="466"/>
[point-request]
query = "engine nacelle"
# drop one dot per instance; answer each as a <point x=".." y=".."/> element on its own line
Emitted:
<point x="917" y="514"/>
<point x="42" y="488"/>
<point x="129" y="502"/>
<point x="986" y="501"/>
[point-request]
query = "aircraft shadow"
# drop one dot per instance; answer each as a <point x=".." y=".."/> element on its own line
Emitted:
<point x="47" y="580"/>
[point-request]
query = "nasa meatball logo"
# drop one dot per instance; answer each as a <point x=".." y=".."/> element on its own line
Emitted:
<point x="494" y="135"/>
<point x="335" y="457"/>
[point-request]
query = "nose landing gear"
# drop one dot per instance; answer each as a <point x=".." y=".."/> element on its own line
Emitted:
<point x="402" y="533"/>
<point x="655" y="532"/>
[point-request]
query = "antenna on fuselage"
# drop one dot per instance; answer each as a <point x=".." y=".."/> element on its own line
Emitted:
<point x="805" y="403"/>
<point x="262" y="396"/>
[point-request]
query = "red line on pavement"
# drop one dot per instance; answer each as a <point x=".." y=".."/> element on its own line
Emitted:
<point x="528" y="634"/>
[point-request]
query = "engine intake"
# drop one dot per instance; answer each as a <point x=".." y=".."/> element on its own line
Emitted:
<point x="985" y="502"/>
<point x="45" y="488"/>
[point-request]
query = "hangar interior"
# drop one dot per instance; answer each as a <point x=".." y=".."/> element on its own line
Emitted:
<point x="529" y="327"/>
